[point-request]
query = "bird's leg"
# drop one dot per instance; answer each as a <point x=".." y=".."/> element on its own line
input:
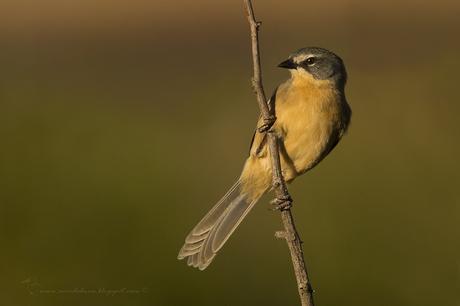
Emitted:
<point x="282" y="203"/>
<point x="268" y="123"/>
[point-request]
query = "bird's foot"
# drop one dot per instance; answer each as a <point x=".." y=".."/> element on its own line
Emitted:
<point x="282" y="203"/>
<point x="268" y="123"/>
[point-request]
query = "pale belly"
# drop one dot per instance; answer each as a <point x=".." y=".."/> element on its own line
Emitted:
<point x="308" y="136"/>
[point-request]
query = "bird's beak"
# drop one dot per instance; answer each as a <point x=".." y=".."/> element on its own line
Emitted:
<point x="288" y="64"/>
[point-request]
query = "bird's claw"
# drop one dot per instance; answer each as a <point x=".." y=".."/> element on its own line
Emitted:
<point x="268" y="123"/>
<point x="282" y="203"/>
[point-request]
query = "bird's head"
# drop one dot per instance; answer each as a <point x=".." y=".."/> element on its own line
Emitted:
<point x="319" y="63"/>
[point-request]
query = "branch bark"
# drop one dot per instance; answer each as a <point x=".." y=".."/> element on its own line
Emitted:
<point x="279" y="185"/>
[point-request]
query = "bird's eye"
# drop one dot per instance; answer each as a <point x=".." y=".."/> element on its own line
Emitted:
<point x="310" y="61"/>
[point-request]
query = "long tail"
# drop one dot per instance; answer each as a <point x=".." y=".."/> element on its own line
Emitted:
<point x="210" y="234"/>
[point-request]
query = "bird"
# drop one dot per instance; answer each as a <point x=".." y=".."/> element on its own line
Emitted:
<point x="312" y="114"/>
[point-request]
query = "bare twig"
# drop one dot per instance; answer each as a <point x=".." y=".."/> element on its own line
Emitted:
<point x="279" y="185"/>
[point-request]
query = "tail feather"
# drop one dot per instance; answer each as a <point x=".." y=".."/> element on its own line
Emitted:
<point x="211" y="233"/>
<point x="208" y="221"/>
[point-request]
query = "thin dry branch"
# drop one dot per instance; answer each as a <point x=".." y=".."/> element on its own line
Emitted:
<point x="279" y="185"/>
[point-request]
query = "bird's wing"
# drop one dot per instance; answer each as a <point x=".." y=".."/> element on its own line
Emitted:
<point x="259" y="140"/>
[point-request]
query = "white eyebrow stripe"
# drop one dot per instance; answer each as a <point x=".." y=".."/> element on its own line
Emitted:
<point x="300" y="58"/>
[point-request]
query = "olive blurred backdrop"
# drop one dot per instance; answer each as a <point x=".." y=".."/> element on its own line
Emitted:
<point x="121" y="123"/>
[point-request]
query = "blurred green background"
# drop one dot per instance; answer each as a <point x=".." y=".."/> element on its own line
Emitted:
<point x="121" y="123"/>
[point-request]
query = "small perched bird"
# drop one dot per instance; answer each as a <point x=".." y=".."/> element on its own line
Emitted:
<point x="312" y="115"/>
